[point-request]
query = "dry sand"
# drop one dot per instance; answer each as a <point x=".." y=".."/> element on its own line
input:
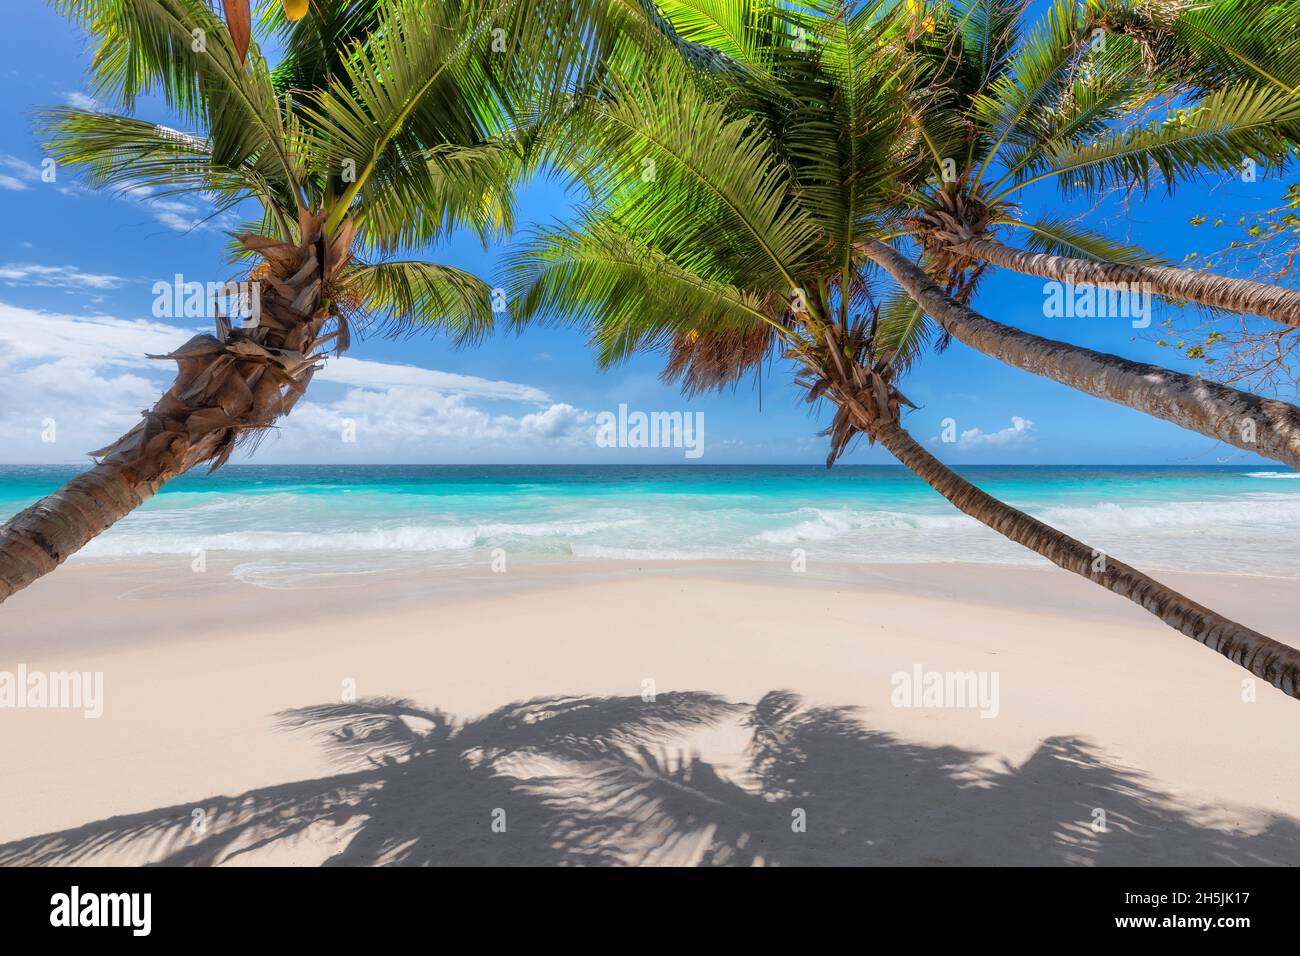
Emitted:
<point x="771" y="736"/>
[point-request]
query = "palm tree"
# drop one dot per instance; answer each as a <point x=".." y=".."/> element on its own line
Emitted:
<point x="1017" y="108"/>
<point x="982" y="37"/>
<point x="730" y="222"/>
<point x="1199" y="47"/>
<point x="384" y="126"/>
<point x="1052" y="104"/>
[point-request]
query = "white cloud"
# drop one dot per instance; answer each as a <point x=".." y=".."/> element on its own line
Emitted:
<point x="405" y="423"/>
<point x="90" y="376"/>
<point x="29" y="335"/>
<point x="180" y="215"/>
<point x="56" y="277"/>
<point x="18" y="173"/>
<point x="81" y="375"/>
<point x="81" y="101"/>
<point x="366" y="373"/>
<point x="556" y="421"/>
<point x="19" y="167"/>
<point x="175" y="214"/>
<point x="178" y="222"/>
<point x="1020" y="433"/>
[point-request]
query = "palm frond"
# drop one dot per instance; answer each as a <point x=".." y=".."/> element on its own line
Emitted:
<point x="127" y="153"/>
<point x="1058" y="236"/>
<point x="989" y="31"/>
<point x="903" y="332"/>
<point x="1034" y="76"/>
<point x="314" y="47"/>
<point x="453" y="188"/>
<point x="1205" y="45"/>
<point x="1237" y="121"/>
<point x="405" y="296"/>
<point x="851" y="143"/>
<point x="630" y="296"/>
<point x="182" y="51"/>
<point x="667" y="155"/>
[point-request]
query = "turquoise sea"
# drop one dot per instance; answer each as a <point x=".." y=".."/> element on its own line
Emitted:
<point x="286" y="521"/>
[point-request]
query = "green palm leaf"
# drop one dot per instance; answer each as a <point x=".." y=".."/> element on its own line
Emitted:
<point x="182" y="50"/>
<point x="124" y="152"/>
<point x="666" y="152"/>
<point x="633" y="297"/>
<point x="1058" y="236"/>
<point x="903" y="332"/>
<point x="404" y="296"/>
<point x="1238" y="121"/>
<point x="1035" y="76"/>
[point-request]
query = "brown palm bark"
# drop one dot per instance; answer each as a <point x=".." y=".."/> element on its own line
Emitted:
<point x="1264" y="426"/>
<point x="230" y="384"/>
<point x="1235" y="295"/>
<point x="1270" y="660"/>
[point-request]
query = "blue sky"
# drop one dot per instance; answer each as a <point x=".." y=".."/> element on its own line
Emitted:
<point x="77" y="270"/>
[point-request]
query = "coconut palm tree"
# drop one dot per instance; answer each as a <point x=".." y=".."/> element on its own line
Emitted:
<point x="1065" y="103"/>
<point x="982" y="36"/>
<point x="1196" y="48"/>
<point x="1019" y="108"/>
<point x="990" y="101"/>
<point x="731" y="223"/>
<point x="384" y="126"/>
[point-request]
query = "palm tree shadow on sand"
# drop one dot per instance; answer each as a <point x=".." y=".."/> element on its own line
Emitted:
<point x="605" y="781"/>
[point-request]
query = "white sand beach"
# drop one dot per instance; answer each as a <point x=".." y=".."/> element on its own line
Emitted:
<point x="617" y="712"/>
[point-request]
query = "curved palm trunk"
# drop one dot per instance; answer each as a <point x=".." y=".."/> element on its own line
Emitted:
<point x="1249" y="422"/>
<point x="1236" y="295"/>
<point x="237" y="381"/>
<point x="1270" y="660"/>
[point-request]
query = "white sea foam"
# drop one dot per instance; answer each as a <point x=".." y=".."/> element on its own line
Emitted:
<point x="388" y="539"/>
<point x="1249" y="511"/>
<point x="403" y="538"/>
<point x="559" y="529"/>
<point x="828" y="525"/>
<point x="1247" y="532"/>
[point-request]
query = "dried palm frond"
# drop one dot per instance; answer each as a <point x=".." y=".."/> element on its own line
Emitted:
<point x="953" y="217"/>
<point x="717" y="359"/>
<point x="861" y="392"/>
